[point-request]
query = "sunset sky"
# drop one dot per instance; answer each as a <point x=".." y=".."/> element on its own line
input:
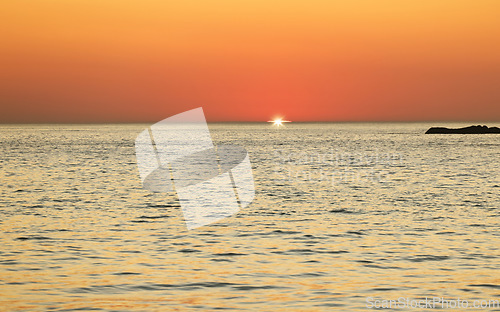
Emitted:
<point x="316" y="60"/>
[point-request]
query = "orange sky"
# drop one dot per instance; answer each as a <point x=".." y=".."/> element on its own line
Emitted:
<point x="315" y="60"/>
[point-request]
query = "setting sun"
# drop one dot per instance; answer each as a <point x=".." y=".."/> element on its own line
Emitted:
<point x="278" y="122"/>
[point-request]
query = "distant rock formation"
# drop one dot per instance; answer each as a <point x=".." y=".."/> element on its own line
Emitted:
<point x="467" y="130"/>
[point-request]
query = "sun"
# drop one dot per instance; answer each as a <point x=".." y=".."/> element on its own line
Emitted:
<point x="278" y="122"/>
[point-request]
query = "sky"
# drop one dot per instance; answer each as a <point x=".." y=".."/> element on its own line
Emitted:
<point x="316" y="60"/>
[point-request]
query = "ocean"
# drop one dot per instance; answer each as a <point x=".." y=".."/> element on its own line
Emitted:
<point x="346" y="216"/>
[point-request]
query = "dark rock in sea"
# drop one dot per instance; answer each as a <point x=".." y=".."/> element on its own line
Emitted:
<point x="467" y="130"/>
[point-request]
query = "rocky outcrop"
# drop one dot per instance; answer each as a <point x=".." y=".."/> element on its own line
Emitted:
<point x="466" y="130"/>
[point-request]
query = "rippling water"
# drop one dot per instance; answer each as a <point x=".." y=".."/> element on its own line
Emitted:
<point x="341" y="212"/>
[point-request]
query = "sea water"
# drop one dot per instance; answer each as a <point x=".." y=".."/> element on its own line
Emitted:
<point x="343" y="212"/>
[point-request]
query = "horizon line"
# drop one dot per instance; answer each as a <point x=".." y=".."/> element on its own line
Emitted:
<point x="253" y="122"/>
